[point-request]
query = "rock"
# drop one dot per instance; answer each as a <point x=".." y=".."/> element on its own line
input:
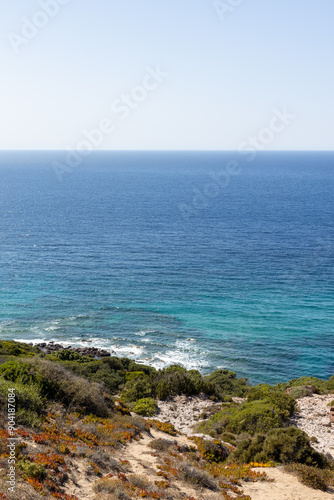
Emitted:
<point x="331" y="415"/>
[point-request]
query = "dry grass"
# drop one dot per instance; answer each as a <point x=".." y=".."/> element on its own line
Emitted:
<point x="161" y="444"/>
<point x="198" y="477"/>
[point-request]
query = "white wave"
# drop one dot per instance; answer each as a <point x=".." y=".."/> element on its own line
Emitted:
<point x="185" y="354"/>
<point x="142" y="333"/>
<point x="73" y="318"/>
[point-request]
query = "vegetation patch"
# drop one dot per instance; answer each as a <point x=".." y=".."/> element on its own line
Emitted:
<point x="227" y="383"/>
<point x="12" y="348"/>
<point x="145" y="407"/>
<point x="279" y="445"/>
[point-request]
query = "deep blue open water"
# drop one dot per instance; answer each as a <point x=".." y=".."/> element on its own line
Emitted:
<point x="174" y="257"/>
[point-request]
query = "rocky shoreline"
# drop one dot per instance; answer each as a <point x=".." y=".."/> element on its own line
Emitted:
<point x="51" y="347"/>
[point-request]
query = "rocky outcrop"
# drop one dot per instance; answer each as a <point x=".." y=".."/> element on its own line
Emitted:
<point x="51" y="347"/>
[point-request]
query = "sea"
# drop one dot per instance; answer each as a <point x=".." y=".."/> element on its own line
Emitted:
<point x="206" y="259"/>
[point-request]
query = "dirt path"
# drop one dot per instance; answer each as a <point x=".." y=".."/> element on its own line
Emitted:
<point x="285" y="487"/>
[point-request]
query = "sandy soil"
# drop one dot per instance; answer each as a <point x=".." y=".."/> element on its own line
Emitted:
<point x="183" y="412"/>
<point x="142" y="462"/>
<point x="285" y="487"/>
<point x="313" y="418"/>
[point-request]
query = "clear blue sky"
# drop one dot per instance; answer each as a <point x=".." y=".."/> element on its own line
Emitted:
<point x="225" y="75"/>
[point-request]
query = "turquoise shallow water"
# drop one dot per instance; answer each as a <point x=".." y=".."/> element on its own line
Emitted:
<point x="145" y="254"/>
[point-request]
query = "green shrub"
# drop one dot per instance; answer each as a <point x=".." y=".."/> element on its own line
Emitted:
<point x="18" y="371"/>
<point x="40" y="380"/>
<point x="284" y="403"/>
<point x="130" y="376"/>
<point x="17" y="348"/>
<point x="112" y="372"/>
<point x="311" y="476"/>
<point x="170" y="381"/>
<point x="279" y="445"/>
<point x="97" y="371"/>
<point x="138" y="389"/>
<point x="127" y="365"/>
<point x="213" y="451"/>
<point x="300" y="392"/>
<point x="29" y="469"/>
<point x="177" y="380"/>
<point x="69" y="355"/>
<point x="320" y="385"/>
<point x="28" y="401"/>
<point x="253" y="417"/>
<point x="330" y="384"/>
<point x="227" y="383"/>
<point x="145" y="407"/>
<point x="27" y="373"/>
<point x="228" y="437"/>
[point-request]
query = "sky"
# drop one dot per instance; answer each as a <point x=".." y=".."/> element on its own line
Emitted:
<point x="167" y="75"/>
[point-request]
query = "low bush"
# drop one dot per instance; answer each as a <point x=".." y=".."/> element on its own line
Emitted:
<point x="141" y="482"/>
<point x="130" y="376"/>
<point x="227" y="383"/>
<point x="228" y="437"/>
<point x="39" y="380"/>
<point x="284" y="403"/>
<point x="145" y="407"/>
<point x="28" y="400"/>
<point x="113" y="487"/>
<point x="252" y="418"/>
<point x="321" y="386"/>
<point x="161" y="444"/>
<point x="97" y="371"/>
<point x="330" y="384"/>
<point x="112" y="372"/>
<point x="13" y="348"/>
<point x="279" y="445"/>
<point x="104" y="461"/>
<point x="212" y="451"/>
<point x="29" y="469"/>
<point x="69" y="355"/>
<point x="198" y="477"/>
<point x="300" y="392"/>
<point x="170" y="381"/>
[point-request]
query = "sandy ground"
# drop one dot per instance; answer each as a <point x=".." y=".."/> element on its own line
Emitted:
<point x="142" y="462"/>
<point x="184" y="412"/>
<point x="313" y="418"/>
<point x="285" y="487"/>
